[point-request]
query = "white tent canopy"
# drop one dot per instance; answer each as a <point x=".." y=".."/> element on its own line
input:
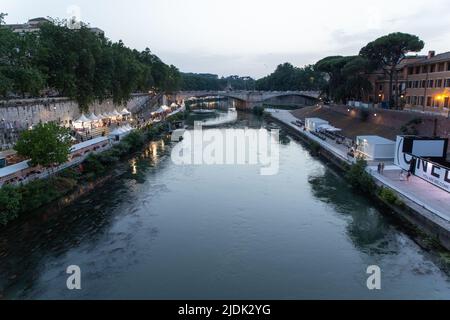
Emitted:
<point x="174" y="105"/>
<point x="93" y="117"/>
<point x="116" y="114"/>
<point x="125" y="112"/>
<point x="83" y="118"/>
<point x="327" y="127"/>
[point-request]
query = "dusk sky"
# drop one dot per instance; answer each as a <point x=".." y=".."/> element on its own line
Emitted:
<point x="247" y="37"/>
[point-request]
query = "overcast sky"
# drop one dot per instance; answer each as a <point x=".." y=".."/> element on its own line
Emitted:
<point x="248" y="37"/>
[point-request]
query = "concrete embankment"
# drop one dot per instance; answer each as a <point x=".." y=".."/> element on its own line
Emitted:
<point x="424" y="216"/>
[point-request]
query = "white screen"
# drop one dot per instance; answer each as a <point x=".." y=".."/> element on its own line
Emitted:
<point x="428" y="148"/>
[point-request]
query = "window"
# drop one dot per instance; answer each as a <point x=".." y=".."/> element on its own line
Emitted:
<point x="441" y="67"/>
<point x="415" y="101"/>
<point x="408" y="100"/>
<point x="429" y="100"/>
<point x="410" y="70"/>
<point x="432" y="68"/>
<point x="421" y="100"/>
<point x="424" y="83"/>
<point x="430" y="83"/>
<point x="416" y="84"/>
<point x="417" y="70"/>
<point x="424" y="69"/>
<point x="448" y="66"/>
<point x="447" y="83"/>
<point x="446" y="102"/>
<point x="439" y="83"/>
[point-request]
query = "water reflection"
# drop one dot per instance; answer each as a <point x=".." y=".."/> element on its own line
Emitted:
<point x="179" y="232"/>
<point x="369" y="230"/>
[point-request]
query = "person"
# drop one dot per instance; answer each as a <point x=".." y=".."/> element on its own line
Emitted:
<point x="379" y="168"/>
<point x="408" y="176"/>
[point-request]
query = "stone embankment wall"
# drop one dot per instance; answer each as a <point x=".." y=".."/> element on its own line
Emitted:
<point x="397" y="118"/>
<point x="18" y="115"/>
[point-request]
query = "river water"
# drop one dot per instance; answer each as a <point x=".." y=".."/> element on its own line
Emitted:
<point x="165" y="231"/>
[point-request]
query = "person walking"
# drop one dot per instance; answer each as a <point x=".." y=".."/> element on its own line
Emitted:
<point x="382" y="168"/>
<point x="379" y="168"/>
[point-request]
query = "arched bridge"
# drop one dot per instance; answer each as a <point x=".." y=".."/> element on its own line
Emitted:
<point x="256" y="98"/>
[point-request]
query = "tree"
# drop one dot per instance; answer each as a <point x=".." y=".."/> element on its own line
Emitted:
<point x="2" y="18"/>
<point x="347" y="77"/>
<point x="287" y="77"/>
<point x="10" y="200"/>
<point x="387" y="52"/>
<point x="46" y="145"/>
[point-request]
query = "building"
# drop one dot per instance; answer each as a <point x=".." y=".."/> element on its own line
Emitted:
<point x="428" y="82"/>
<point x="381" y="83"/>
<point x="34" y="25"/>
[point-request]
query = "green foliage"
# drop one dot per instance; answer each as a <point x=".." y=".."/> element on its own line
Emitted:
<point x="389" y="196"/>
<point x="46" y="145"/>
<point x="359" y="178"/>
<point x="387" y="52"/>
<point x="348" y="77"/>
<point x="135" y="140"/>
<point x="258" y="110"/>
<point x="94" y="165"/>
<point x="287" y="77"/>
<point x="212" y="82"/>
<point x="78" y="64"/>
<point x="315" y="147"/>
<point x="10" y="200"/>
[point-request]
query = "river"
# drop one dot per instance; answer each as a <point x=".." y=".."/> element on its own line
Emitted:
<point x="165" y="231"/>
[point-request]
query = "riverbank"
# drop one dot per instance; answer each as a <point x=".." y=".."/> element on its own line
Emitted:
<point x="430" y="217"/>
<point x="63" y="189"/>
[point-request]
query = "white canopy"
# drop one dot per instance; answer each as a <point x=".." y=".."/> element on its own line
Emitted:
<point x="83" y="118"/>
<point x="329" y="128"/>
<point x="125" y="112"/>
<point x="174" y="105"/>
<point x="93" y="117"/>
<point x="122" y="130"/>
<point x="116" y="114"/>
<point x="163" y="109"/>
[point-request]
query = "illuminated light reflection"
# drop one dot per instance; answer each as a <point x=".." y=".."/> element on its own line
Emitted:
<point x="133" y="166"/>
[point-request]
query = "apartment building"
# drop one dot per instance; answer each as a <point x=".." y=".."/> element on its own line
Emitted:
<point x="34" y="25"/>
<point x="428" y="82"/>
<point x="381" y="83"/>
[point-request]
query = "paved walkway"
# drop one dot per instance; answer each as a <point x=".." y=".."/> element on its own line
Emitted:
<point x="422" y="193"/>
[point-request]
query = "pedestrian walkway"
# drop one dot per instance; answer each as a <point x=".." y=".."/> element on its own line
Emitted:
<point x="422" y="193"/>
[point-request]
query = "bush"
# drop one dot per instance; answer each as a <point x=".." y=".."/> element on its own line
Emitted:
<point x="92" y="164"/>
<point x="258" y="110"/>
<point x="134" y="140"/>
<point x="38" y="193"/>
<point x="10" y="200"/>
<point x="389" y="196"/>
<point x="359" y="178"/>
<point x="315" y="147"/>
